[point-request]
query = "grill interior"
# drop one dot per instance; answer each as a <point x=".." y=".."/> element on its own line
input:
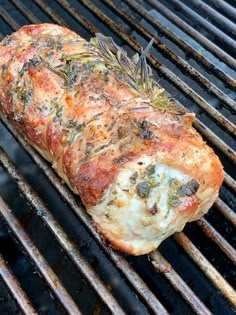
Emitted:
<point x="52" y="260"/>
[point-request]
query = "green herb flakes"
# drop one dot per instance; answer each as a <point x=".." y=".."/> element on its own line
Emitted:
<point x="143" y="189"/>
<point x="151" y="169"/>
<point x="189" y="188"/>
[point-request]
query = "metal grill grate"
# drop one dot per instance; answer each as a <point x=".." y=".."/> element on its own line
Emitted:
<point x="202" y="80"/>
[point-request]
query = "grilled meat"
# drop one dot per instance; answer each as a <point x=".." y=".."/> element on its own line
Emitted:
<point x="140" y="168"/>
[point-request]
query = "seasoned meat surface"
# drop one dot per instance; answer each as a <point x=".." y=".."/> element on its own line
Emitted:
<point x="141" y="169"/>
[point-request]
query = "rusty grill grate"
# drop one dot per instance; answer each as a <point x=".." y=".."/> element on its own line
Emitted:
<point x="194" y="58"/>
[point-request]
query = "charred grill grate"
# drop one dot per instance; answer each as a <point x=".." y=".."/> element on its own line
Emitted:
<point x="194" y="59"/>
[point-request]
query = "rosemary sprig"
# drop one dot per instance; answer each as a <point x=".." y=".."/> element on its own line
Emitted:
<point x="77" y="56"/>
<point x="144" y="68"/>
<point x="68" y="73"/>
<point x="135" y="72"/>
<point x="58" y="72"/>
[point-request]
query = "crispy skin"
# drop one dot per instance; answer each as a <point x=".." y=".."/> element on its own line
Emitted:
<point x="97" y="131"/>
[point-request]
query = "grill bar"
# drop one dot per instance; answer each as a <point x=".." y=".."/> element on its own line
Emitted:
<point x="79" y="18"/>
<point x="165" y="71"/>
<point x="163" y="266"/>
<point x="214" y="276"/>
<point x="26" y="12"/>
<point x="178" y="41"/>
<point x="55" y="16"/>
<point x="215" y="236"/>
<point x="39" y="260"/>
<point x="8" y="19"/>
<point x="228" y="213"/>
<point x="204" y="23"/>
<point x="163" y="48"/>
<point x="220" y="144"/>
<point x="230" y="182"/>
<point x="136" y="281"/>
<point x="60" y="235"/>
<point x="225" y="23"/>
<point x="224" y="7"/>
<point x="46" y="8"/>
<point x="214" y="49"/>
<point x="15" y="289"/>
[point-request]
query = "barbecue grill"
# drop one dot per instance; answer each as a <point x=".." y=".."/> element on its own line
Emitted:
<point x="52" y="260"/>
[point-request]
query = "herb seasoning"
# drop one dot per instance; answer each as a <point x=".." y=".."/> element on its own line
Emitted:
<point x="4" y="69"/>
<point x="133" y="177"/>
<point x="143" y="189"/>
<point x="189" y="189"/>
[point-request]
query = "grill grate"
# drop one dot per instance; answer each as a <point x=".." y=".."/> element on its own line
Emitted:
<point x="220" y="53"/>
<point x="38" y="259"/>
<point x="213" y="98"/>
<point x="15" y="288"/>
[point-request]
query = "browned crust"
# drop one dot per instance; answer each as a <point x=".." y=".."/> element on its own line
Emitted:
<point x="111" y="127"/>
